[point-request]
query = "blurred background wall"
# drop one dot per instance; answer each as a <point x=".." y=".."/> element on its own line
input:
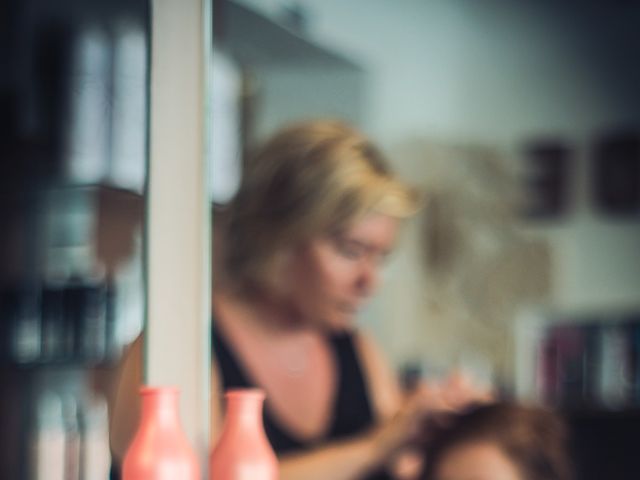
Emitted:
<point x="521" y="121"/>
<point x="445" y="86"/>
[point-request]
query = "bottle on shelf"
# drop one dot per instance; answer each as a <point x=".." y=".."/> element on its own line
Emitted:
<point x="24" y="319"/>
<point x="52" y="317"/>
<point x="47" y="439"/>
<point x="95" y="456"/>
<point x="70" y="413"/>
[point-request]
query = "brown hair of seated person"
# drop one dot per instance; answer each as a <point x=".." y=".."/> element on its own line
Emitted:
<point x="532" y="440"/>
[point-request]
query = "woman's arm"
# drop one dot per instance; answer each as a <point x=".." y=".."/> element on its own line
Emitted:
<point x="397" y="424"/>
<point x="342" y="460"/>
<point x="126" y="401"/>
<point x="216" y="414"/>
<point x="349" y="459"/>
<point x="454" y="393"/>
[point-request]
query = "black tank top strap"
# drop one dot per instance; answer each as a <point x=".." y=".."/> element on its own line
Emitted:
<point x="353" y="412"/>
<point x="232" y="374"/>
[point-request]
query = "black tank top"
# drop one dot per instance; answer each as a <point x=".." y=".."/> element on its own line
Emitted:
<point x="352" y="412"/>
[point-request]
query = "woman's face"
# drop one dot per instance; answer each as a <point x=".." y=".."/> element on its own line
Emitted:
<point x="477" y="461"/>
<point x="331" y="276"/>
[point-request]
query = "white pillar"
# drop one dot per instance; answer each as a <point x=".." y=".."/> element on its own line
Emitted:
<point x="178" y="220"/>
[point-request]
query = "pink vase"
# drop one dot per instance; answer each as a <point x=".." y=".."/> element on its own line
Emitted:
<point x="160" y="449"/>
<point x="243" y="451"/>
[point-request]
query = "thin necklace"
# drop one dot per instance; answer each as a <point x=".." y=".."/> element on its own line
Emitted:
<point x="295" y="359"/>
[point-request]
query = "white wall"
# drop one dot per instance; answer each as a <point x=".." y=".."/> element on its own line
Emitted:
<point x="491" y="70"/>
<point x="291" y="93"/>
<point x="499" y="73"/>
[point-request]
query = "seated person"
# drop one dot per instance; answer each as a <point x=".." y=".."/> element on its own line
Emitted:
<point x="502" y="441"/>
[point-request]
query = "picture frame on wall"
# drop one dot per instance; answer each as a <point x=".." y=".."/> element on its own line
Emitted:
<point x="615" y="173"/>
<point x="548" y="167"/>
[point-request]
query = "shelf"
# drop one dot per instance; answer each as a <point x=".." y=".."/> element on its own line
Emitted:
<point x="603" y="413"/>
<point x="98" y="187"/>
<point x="106" y="191"/>
<point x="255" y="40"/>
<point x="58" y="364"/>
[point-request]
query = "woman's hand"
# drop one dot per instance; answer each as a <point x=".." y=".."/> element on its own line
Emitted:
<point x="460" y="392"/>
<point x="406" y="426"/>
<point x="428" y="402"/>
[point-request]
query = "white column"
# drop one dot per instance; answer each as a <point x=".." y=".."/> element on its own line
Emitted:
<point x="178" y="220"/>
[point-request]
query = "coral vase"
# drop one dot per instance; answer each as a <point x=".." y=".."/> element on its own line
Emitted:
<point x="243" y="451"/>
<point x="160" y="449"/>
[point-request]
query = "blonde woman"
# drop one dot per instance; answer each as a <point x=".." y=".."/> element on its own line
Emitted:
<point x="316" y="215"/>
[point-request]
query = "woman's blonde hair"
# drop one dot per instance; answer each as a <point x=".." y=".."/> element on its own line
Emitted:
<point x="311" y="178"/>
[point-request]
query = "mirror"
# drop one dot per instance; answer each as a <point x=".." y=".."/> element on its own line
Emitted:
<point x="521" y="125"/>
